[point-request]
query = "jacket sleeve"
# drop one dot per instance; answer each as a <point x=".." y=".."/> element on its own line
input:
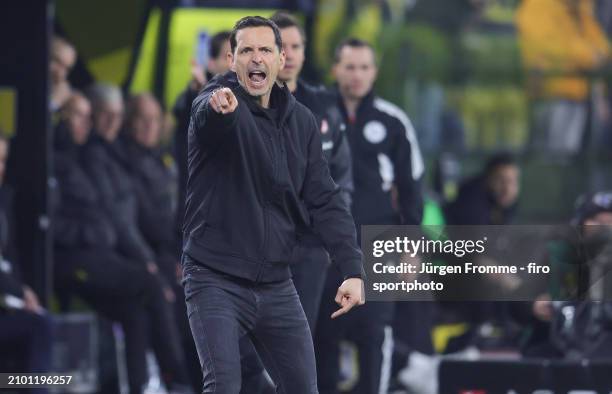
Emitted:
<point x="207" y="125"/>
<point x="330" y="214"/>
<point x="341" y="164"/>
<point x="408" y="167"/>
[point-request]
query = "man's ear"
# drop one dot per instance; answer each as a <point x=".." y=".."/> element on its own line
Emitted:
<point x="230" y="57"/>
<point x="283" y="58"/>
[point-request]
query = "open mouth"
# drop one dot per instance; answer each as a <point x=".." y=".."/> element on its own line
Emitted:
<point x="257" y="78"/>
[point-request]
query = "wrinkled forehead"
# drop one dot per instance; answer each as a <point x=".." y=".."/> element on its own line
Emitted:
<point x="110" y="106"/>
<point x="255" y="37"/>
<point x="291" y="35"/>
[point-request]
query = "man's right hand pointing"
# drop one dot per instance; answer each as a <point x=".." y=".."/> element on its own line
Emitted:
<point x="223" y="101"/>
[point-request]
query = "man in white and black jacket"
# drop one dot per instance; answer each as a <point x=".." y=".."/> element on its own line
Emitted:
<point x="255" y="161"/>
<point x="387" y="169"/>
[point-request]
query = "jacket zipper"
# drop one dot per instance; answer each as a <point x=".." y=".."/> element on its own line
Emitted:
<point x="267" y="214"/>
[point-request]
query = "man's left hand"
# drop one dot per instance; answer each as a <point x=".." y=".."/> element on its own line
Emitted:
<point x="31" y="301"/>
<point x="350" y="293"/>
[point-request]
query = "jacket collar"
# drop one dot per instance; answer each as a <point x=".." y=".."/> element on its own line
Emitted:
<point x="363" y="106"/>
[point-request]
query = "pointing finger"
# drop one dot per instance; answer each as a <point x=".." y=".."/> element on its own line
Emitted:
<point x="348" y="305"/>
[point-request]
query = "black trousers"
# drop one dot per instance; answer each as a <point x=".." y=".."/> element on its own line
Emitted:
<point x="365" y="326"/>
<point x="167" y="258"/>
<point x="309" y="272"/>
<point x="27" y="336"/>
<point x="412" y="324"/>
<point x="127" y="293"/>
<point x="223" y="310"/>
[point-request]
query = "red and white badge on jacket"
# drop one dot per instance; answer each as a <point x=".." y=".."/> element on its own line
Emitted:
<point x="324" y="126"/>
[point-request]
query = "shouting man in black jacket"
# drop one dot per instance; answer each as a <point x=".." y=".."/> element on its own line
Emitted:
<point x="255" y="160"/>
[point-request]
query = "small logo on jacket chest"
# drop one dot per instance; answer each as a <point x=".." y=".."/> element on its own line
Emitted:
<point x="374" y="132"/>
<point x="324" y="126"/>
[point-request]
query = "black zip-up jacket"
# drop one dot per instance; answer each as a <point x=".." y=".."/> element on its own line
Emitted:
<point x="182" y="113"/>
<point x="78" y="218"/>
<point x="335" y="147"/>
<point x="385" y="154"/>
<point x="155" y="181"/>
<point x="475" y="205"/>
<point x="250" y="177"/>
<point x="322" y="103"/>
<point x="107" y="165"/>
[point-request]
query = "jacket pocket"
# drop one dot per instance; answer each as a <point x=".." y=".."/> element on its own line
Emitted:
<point x="223" y="243"/>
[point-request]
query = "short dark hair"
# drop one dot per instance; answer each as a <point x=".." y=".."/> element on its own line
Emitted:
<point x="285" y="20"/>
<point x="498" y="160"/>
<point x="352" y="42"/>
<point x="216" y="44"/>
<point x="255" y="21"/>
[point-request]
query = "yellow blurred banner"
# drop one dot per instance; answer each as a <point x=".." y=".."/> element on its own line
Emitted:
<point x="186" y="24"/>
<point x="8" y="111"/>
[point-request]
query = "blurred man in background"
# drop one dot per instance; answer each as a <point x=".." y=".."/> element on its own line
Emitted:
<point x="489" y="198"/>
<point x="574" y="319"/>
<point x="385" y="154"/>
<point x="311" y="260"/>
<point x="156" y="183"/>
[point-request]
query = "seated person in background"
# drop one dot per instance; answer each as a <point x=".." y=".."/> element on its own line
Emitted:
<point x="25" y="327"/>
<point x="490" y="197"/>
<point x="155" y="181"/>
<point x="567" y="321"/>
<point x="89" y="262"/>
<point x="108" y="166"/>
